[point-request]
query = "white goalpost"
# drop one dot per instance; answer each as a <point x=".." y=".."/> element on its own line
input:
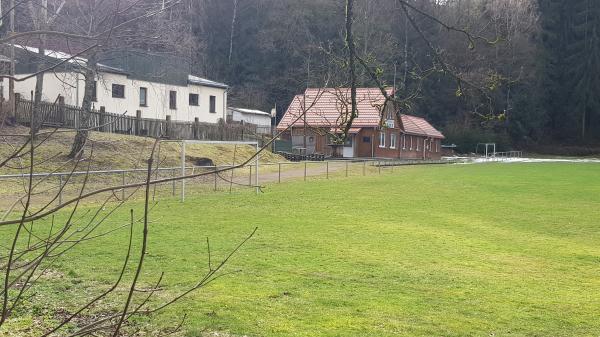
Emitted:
<point x="487" y="146"/>
<point x="212" y="142"/>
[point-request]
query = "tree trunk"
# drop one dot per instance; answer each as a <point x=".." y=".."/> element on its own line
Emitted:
<point x="235" y="4"/>
<point x="351" y="66"/>
<point x="37" y="119"/>
<point x="12" y="110"/>
<point x="86" y="108"/>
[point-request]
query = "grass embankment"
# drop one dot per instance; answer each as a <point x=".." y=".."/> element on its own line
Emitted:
<point x="110" y="152"/>
<point x="463" y="250"/>
<point x="113" y="151"/>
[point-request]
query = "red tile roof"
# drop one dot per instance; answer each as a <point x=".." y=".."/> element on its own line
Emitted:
<point x="419" y="126"/>
<point x="324" y="107"/>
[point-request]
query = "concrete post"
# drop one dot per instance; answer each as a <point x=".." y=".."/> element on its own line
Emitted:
<point x="14" y="104"/>
<point x="61" y="110"/>
<point x="169" y="127"/>
<point x="196" y="128"/>
<point x="138" y="122"/>
<point x="101" y="120"/>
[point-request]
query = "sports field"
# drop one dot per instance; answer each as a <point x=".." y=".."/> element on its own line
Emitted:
<point x="454" y="250"/>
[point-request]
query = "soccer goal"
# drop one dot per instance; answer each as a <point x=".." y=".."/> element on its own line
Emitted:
<point x="183" y="144"/>
<point x="489" y="149"/>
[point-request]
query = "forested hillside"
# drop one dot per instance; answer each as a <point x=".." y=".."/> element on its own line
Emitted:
<point x="522" y="73"/>
<point x="517" y="71"/>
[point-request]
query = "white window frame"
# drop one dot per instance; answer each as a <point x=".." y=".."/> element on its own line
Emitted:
<point x="418" y="144"/>
<point x="382" y="137"/>
<point x="393" y="140"/>
<point x="403" y="142"/>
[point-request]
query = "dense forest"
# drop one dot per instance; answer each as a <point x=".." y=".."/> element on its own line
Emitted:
<point x="520" y="72"/>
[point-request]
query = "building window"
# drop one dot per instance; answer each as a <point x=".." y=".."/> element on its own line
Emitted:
<point x="95" y="92"/>
<point x="382" y="139"/>
<point x="172" y="100"/>
<point x="366" y="139"/>
<point x="213" y="104"/>
<point x="437" y="145"/>
<point x="194" y="99"/>
<point x="143" y="96"/>
<point x="118" y="91"/>
<point x="392" y="141"/>
<point x="403" y="142"/>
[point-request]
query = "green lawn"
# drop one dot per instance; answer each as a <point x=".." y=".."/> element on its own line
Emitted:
<point x="461" y="250"/>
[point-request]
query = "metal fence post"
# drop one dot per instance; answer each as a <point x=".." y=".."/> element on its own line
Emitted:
<point x="60" y="180"/>
<point x="123" y="189"/>
<point x="215" y="174"/>
<point x="182" y="170"/>
<point x="346" y="169"/>
<point x="364" y="167"/>
<point x="279" y="175"/>
<point x="327" y="169"/>
<point x="305" y="164"/>
<point x="250" y="176"/>
<point x="174" y="174"/>
<point x="379" y="165"/>
<point x="257" y="170"/>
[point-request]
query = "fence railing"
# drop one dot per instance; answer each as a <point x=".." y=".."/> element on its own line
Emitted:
<point x="246" y="176"/>
<point x="73" y="117"/>
<point x="509" y="154"/>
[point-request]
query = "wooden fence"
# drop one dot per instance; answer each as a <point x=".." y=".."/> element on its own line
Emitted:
<point x="72" y="117"/>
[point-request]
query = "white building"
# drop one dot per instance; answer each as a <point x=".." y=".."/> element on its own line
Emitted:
<point x="122" y="90"/>
<point x="257" y="117"/>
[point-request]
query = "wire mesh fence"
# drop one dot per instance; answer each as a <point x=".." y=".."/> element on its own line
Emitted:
<point x="59" y="187"/>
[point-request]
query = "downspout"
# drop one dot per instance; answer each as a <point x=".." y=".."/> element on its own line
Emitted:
<point x="225" y="105"/>
<point x="400" y="144"/>
<point x="373" y="144"/>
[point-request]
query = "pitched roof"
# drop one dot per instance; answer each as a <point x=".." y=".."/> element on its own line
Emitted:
<point x="205" y="82"/>
<point x="419" y="126"/>
<point x="24" y="63"/>
<point x="140" y="65"/>
<point x="324" y="108"/>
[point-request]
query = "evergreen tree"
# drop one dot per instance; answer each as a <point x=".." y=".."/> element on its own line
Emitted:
<point x="570" y="67"/>
<point x="584" y="66"/>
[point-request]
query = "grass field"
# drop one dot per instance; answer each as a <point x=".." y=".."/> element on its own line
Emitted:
<point x="461" y="250"/>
